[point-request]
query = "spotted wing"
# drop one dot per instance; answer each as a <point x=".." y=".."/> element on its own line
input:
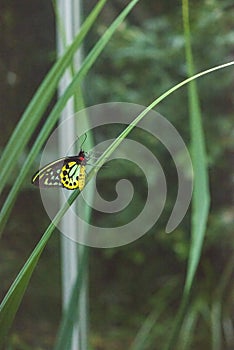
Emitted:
<point x="49" y="175"/>
<point x="72" y="175"/>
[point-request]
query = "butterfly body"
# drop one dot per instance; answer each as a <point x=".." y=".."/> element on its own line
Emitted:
<point x="66" y="172"/>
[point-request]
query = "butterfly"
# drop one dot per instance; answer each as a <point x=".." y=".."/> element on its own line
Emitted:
<point x="66" y="172"/>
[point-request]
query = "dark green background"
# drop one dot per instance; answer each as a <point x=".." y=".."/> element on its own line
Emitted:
<point x="144" y="59"/>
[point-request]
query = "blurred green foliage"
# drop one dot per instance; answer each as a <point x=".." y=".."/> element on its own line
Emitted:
<point x="130" y="283"/>
<point x="141" y="62"/>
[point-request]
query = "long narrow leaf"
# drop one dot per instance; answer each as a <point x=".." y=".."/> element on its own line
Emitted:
<point x="201" y="198"/>
<point x="188" y="329"/>
<point x="11" y="302"/>
<point x="132" y="125"/>
<point x="144" y="338"/>
<point x="40" y="101"/>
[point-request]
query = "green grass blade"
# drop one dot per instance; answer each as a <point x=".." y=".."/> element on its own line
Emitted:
<point x="201" y="197"/>
<point x="11" y="301"/>
<point x="40" y="101"/>
<point x="188" y="328"/>
<point x="216" y="325"/>
<point x="54" y="115"/>
<point x="131" y="126"/>
<point x="15" y="294"/>
<point x="145" y="337"/>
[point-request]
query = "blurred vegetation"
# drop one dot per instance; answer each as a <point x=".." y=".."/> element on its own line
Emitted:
<point x="146" y="278"/>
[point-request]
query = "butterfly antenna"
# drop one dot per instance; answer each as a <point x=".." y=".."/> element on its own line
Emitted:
<point x="83" y="141"/>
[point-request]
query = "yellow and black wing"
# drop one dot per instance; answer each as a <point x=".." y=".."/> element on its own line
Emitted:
<point x="72" y="176"/>
<point x="65" y="172"/>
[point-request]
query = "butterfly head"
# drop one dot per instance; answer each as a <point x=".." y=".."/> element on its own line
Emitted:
<point x="82" y="156"/>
